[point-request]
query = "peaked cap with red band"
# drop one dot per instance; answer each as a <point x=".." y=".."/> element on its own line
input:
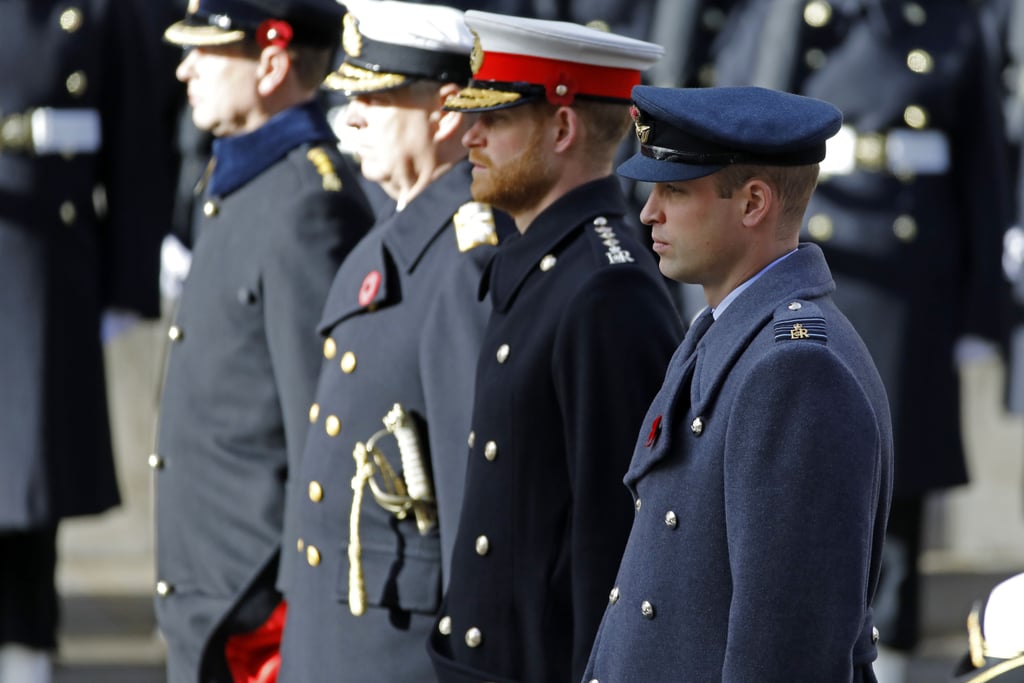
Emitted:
<point x="316" y="23"/>
<point x="518" y="60"/>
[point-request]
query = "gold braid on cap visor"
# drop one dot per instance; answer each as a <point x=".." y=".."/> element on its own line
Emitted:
<point x="473" y="98"/>
<point x="349" y="78"/>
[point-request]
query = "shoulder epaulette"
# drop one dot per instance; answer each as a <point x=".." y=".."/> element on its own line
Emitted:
<point x="800" y="321"/>
<point x="474" y="226"/>
<point x="318" y="157"/>
<point x="609" y="241"/>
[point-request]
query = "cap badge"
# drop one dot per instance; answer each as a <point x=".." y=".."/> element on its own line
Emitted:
<point x="643" y="131"/>
<point x="476" y="57"/>
<point x="351" y="40"/>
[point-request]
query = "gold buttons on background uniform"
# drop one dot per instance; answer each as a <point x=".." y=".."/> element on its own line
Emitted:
<point x="905" y="228"/>
<point x="332" y="425"/>
<point x="490" y="451"/>
<point x="820" y="228"/>
<point x="502" y="354"/>
<point x="348" y="362"/>
<point x="817" y="13"/>
<point x="314" y="412"/>
<point x="920" y="61"/>
<point x="68" y="213"/>
<point x="483" y="545"/>
<point x="312" y="555"/>
<point x="915" y="116"/>
<point x="71" y="19"/>
<point x="316" y="491"/>
<point x="330" y="349"/>
<point x="474" y="637"/>
<point x="76" y="83"/>
<point x="444" y="627"/>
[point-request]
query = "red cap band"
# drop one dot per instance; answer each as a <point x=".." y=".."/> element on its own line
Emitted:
<point x="577" y="79"/>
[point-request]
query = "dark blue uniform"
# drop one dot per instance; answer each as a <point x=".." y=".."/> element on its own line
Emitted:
<point x="280" y="212"/>
<point x="578" y="342"/>
<point x="64" y="258"/>
<point x="760" y="511"/>
<point x="402" y="325"/>
<point x="912" y="228"/>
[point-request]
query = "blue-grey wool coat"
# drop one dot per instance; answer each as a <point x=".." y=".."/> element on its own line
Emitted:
<point x="761" y="480"/>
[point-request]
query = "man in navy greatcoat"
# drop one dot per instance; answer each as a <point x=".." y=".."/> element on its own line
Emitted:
<point x="280" y="211"/>
<point x="581" y="330"/>
<point x="762" y="473"/>
<point x="84" y="200"/>
<point x="372" y="514"/>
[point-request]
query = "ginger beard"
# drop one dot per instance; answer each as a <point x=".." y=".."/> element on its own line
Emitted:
<point x="518" y="183"/>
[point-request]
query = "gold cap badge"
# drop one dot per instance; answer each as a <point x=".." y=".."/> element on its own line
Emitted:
<point x="351" y="39"/>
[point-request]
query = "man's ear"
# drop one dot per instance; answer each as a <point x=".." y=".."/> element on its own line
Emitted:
<point x="759" y="200"/>
<point x="567" y="128"/>
<point x="273" y="68"/>
<point x="447" y="123"/>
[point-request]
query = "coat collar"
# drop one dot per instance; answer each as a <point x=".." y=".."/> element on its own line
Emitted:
<point x="408" y="233"/>
<point x="240" y="158"/>
<point x="520" y="253"/>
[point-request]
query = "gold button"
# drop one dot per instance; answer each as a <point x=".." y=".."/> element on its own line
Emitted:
<point x="920" y="62"/>
<point x="155" y="461"/>
<point x="175" y="333"/>
<point x="548" y="262"/>
<point x="76" y="83"/>
<point x="332" y="425"/>
<point x="490" y="451"/>
<point x="670" y="520"/>
<point x="905" y="228"/>
<point x="613" y="597"/>
<point x="915" y="14"/>
<point x="316" y="492"/>
<point x="71" y="19"/>
<point x="915" y="116"/>
<point x="638" y="504"/>
<point x="210" y="209"/>
<point x="68" y="213"/>
<point x="817" y="13"/>
<point x="503" y="352"/>
<point x="819" y="227"/>
<point x="163" y="589"/>
<point x="300" y="545"/>
<point x="314" y="412"/>
<point x="348" y="362"/>
<point x="330" y="348"/>
<point x="647" y="609"/>
<point x="474" y="637"/>
<point x="472" y="438"/>
<point x="815" y="58"/>
<point x="697" y="426"/>
<point x="444" y="627"/>
<point x="869" y="151"/>
<point x="483" y="546"/>
<point x="312" y="555"/>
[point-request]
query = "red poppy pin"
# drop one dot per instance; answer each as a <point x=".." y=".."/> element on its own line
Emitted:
<point x="655" y="430"/>
<point x="371" y="285"/>
<point x="274" y="32"/>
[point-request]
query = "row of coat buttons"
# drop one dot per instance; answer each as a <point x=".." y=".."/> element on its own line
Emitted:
<point x="474" y="637"/>
<point x="490" y="448"/>
<point x="671" y="519"/>
<point x="821" y="228"/>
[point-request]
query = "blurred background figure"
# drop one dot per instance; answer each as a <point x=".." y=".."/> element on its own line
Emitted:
<point x="910" y="213"/>
<point x="84" y="200"/>
<point x="995" y="636"/>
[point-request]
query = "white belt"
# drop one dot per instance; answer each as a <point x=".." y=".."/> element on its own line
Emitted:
<point x="48" y="130"/>
<point x="899" y="151"/>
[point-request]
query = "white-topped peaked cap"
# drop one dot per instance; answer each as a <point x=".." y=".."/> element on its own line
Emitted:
<point x="519" y="60"/>
<point x="388" y="44"/>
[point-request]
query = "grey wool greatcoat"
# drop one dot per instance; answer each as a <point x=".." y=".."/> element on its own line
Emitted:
<point x="241" y="371"/>
<point x="65" y="257"/>
<point x="761" y="480"/>
<point x="402" y="324"/>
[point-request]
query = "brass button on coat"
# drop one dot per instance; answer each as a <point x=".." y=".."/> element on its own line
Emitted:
<point x="548" y="262"/>
<point x="330" y="349"/>
<point x="472" y="439"/>
<point x="300" y="545"/>
<point x="490" y="450"/>
<point x="163" y="589"/>
<point x="444" y="627"/>
<point x="332" y="425"/>
<point x="175" y="333"/>
<point x="155" y="461"/>
<point x="348" y="362"/>
<point x="210" y="209"/>
<point x="312" y="555"/>
<point x="474" y="637"/>
<point x="71" y="19"/>
<point x="503" y="352"/>
<point x="316" y="491"/>
<point x="314" y="412"/>
<point x="76" y="83"/>
<point x="68" y="213"/>
<point x="483" y="545"/>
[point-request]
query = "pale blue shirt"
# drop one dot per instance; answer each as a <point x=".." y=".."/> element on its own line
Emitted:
<point x="731" y="296"/>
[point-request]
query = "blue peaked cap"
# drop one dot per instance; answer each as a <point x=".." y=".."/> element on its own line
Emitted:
<point x="687" y="133"/>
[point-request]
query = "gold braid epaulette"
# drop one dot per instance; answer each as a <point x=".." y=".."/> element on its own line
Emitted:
<point x="318" y="157"/>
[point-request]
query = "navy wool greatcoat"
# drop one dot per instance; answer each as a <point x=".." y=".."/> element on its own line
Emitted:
<point x="761" y="480"/>
<point x="402" y="325"/>
<point x="80" y="230"/>
<point x="240" y="374"/>
<point x="582" y="330"/>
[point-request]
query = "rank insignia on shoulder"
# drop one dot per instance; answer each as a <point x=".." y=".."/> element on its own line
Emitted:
<point x="318" y="157"/>
<point x="801" y="329"/>
<point x="615" y="253"/>
<point x="474" y="225"/>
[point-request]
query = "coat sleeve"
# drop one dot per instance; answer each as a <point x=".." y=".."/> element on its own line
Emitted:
<point x="301" y="264"/>
<point x="610" y="356"/>
<point x="802" y="478"/>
